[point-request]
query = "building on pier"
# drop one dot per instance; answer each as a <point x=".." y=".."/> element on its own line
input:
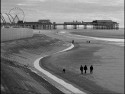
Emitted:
<point x="41" y="24"/>
<point x="105" y="24"/>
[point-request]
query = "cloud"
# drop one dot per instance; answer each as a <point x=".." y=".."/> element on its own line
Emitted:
<point x="36" y="0"/>
<point x="22" y="4"/>
<point x="111" y="2"/>
<point x="89" y="2"/>
<point x="30" y="2"/>
<point x="99" y="2"/>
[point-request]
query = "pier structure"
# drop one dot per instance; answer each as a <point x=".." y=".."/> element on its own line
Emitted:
<point x="46" y="24"/>
<point x="96" y="24"/>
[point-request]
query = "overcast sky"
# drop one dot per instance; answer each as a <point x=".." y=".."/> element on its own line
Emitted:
<point x="68" y="10"/>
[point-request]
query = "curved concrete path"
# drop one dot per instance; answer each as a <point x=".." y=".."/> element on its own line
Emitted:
<point x="71" y="89"/>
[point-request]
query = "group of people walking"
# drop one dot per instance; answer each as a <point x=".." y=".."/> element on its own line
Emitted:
<point x="85" y="69"/>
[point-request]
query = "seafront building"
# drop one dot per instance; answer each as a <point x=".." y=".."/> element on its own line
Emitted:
<point x="105" y="24"/>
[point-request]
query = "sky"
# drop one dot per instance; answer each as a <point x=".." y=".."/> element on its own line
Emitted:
<point x="67" y="10"/>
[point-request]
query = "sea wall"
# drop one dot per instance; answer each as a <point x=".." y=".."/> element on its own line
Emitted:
<point x="15" y="33"/>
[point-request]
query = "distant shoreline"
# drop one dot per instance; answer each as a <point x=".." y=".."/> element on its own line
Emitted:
<point x="119" y="34"/>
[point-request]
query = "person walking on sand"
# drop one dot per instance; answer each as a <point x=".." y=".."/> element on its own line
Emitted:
<point x="72" y="41"/>
<point x="64" y="70"/>
<point x="91" y="69"/>
<point x="81" y="69"/>
<point x="85" y="68"/>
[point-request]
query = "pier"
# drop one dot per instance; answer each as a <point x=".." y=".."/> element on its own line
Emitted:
<point x="96" y="24"/>
<point x="48" y="25"/>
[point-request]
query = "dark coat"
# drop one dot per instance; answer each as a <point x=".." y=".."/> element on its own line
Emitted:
<point x="81" y="68"/>
<point x="85" y="67"/>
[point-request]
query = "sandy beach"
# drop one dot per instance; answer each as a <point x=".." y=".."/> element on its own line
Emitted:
<point x="105" y="73"/>
<point x="107" y="59"/>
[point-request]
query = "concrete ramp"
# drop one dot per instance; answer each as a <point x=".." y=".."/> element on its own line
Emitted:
<point x="15" y="33"/>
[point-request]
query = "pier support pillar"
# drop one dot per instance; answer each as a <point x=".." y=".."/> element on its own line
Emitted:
<point x="50" y="26"/>
<point x="117" y="26"/>
<point x="74" y="26"/>
<point x="85" y="26"/>
<point x="65" y="26"/>
<point x="54" y="25"/>
<point x="47" y="26"/>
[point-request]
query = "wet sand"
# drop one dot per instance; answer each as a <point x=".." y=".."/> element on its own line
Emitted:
<point x="108" y="61"/>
